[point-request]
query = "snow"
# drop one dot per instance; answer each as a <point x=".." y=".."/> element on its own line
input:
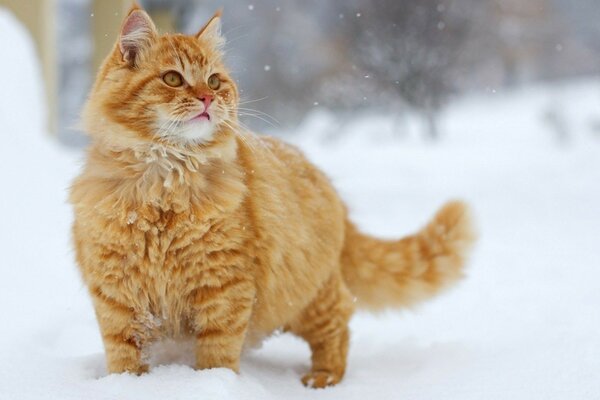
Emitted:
<point x="523" y="325"/>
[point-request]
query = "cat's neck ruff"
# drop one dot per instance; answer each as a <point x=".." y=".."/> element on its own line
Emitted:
<point x="167" y="176"/>
<point x="222" y="148"/>
<point x="180" y="158"/>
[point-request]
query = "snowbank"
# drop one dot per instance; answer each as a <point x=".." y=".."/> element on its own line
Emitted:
<point x="523" y="325"/>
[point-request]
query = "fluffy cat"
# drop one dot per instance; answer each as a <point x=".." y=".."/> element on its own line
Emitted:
<point x="186" y="225"/>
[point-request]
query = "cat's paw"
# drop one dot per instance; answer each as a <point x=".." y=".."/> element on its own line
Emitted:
<point x="128" y="368"/>
<point x="142" y="369"/>
<point x="320" y="379"/>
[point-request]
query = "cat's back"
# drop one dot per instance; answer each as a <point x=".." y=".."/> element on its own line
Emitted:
<point x="282" y="170"/>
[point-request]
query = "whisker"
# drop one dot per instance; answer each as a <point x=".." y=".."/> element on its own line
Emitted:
<point x="252" y="101"/>
<point x="175" y="118"/>
<point x="260" y="118"/>
<point x="258" y="114"/>
<point x="235" y="28"/>
<point x="242" y="135"/>
<point x="229" y="41"/>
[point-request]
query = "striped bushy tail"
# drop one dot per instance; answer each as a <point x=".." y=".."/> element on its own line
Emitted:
<point x="399" y="273"/>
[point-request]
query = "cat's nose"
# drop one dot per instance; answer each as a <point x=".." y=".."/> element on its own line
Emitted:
<point x="206" y="99"/>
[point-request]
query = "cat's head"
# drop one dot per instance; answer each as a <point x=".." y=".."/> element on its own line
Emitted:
<point x="162" y="88"/>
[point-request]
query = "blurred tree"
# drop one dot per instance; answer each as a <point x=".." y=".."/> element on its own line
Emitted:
<point x="407" y="50"/>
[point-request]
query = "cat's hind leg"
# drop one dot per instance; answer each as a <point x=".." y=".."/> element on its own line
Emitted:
<point x="324" y="325"/>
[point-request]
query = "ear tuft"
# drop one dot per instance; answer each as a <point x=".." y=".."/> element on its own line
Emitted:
<point x="137" y="35"/>
<point x="211" y="32"/>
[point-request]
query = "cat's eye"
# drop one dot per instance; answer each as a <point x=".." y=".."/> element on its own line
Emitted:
<point x="214" y="82"/>
<point x="173" y="79"/>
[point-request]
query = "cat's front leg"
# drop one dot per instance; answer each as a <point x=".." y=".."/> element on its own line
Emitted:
<point x="122" y="334"/>
<point x="221" y="315"/>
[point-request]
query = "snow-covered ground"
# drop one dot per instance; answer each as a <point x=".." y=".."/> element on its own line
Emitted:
<point x="525" y="324"/>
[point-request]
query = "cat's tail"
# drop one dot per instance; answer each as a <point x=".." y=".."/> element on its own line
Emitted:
<point x="403" y="272"/>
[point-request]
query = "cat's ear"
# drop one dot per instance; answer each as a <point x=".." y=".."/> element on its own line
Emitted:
<point x="211" y="32"/>
<point x="137" y="35"/>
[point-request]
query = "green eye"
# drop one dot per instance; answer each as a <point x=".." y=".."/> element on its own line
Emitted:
<point x="173" y="79"/>
<point x="214" y="82"/>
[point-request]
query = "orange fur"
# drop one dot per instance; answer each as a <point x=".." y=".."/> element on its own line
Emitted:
<point x="216" y="233"/>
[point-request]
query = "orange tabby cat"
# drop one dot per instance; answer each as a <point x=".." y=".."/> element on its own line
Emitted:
<point x="185" y="225"/>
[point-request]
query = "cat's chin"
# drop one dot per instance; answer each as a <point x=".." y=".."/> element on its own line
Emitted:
<point x="193" y="132"/>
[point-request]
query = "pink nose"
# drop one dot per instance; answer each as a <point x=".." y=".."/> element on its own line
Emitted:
<point x="206" y="99"/>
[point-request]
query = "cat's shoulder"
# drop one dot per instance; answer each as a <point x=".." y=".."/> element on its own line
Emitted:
<point x="272" y="145"/>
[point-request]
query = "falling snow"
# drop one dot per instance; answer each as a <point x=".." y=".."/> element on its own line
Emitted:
<point x="522" y="325"/>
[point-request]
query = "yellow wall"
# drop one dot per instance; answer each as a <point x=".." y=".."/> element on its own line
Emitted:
<point x="39" y="16"/>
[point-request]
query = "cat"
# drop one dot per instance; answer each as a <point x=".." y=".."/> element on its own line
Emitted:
<point x="187" y="225"/>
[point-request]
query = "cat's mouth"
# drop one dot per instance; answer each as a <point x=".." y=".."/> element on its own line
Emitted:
<point x="205" y="116"/>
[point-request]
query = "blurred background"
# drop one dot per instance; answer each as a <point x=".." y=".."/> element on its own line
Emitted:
<point x="407" y="58"/>
<point x="404" y="104"/>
